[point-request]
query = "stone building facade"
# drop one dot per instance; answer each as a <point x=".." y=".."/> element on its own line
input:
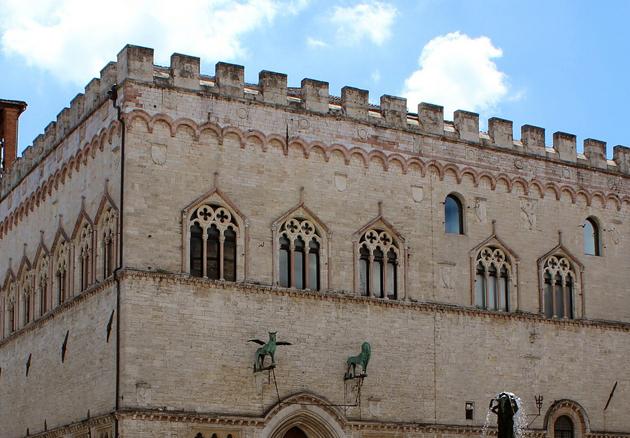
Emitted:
<point x="168" y="217"/>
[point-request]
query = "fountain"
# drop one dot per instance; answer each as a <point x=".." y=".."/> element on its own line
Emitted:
<point x="510" y="415"/>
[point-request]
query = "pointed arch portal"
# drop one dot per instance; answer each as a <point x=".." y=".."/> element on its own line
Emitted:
<point x="302" y="416"/>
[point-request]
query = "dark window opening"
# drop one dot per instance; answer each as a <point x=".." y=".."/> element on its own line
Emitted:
<point x="591" y="238"/>
<point x="313" y="265"/>
<point x="453" y="215"/>
<point x="298" y="264"/>
<point x="196" y="251"/>
<point x="229" y="255"/>
<point x="213" y="255"/>
<point x="364" y="271"/>
<point x="285" y="263"/>
<point x="563" y="428"/>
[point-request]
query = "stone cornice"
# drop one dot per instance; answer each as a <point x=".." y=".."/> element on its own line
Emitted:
<point x="349" y="424"/>
<point x="350" y="297"/>
<point x="58" y="310"/>
<point x="335" y="296"/>
<point x="77" y="427"/>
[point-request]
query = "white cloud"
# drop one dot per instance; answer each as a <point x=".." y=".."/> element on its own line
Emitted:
<point x="376" y="76"/>
<point x="457" y="71"/>
<point x="74" y="39"/>
<point x="314" y="43"/>
<point x="371" y="20"/>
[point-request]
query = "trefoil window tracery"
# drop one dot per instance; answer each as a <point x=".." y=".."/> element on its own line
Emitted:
<point x="378" y="264"/>
<point x="559" y="281"/>
<point x="214" y="231"/>
<point x="299" y="257"/>
<point x="492" y="279"/>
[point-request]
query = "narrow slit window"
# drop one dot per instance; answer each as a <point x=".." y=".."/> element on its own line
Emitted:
<point x="229" y="259"/>
<point x="313" y="265"/>
<point x="591" y="238"/>
<point x="453" y="215"/>
<point x="298" y="263"/>
<point x="196" y="251"/>
<point x="480" y="286"/>
<point x="285" y="268"/>
<point x="364" y="269"/>
<point x="391" y="275"/>
<point x="213" y="254"/>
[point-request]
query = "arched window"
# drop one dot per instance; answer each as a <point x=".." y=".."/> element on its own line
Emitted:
<point x="41" y="283"/>
<point x="493" y="279"/>
<point x="453" y="215"/>
<point x="299" y="254"/>
<point x="213" y="240"/>
<point x="285" y="263"/>
<point x="10" y="310"/>
<point x="61" y="270"/>
<point x="378" y="264"/>
<point x="592" y="245"/>
<point x="85" y="257"/>
<point x="563" y="427"/>
<point x="27" y="298"/>
<point x="558" y="289"/>
<point x="107" y="226"/>
<point x="43" y="294"/>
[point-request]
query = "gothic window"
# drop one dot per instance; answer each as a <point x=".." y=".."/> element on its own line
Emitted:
<point x="61" y="272"/>
<point x="558" y="290"/>
<point x="492" y="279"/>
<point x="453" y="215"/>
<point x="107" y="233"/>
<point x="378" y="255"/>
<point x="85" y="257"/>
<point x="43" y="294"/>
<point x="213" y="232"/>
<point x="563" y="427"/>
<point x="592" y="244"/>
<point x="299" y="254"/>
<point x="27" y="299"/>
<point x="10" y="312"/>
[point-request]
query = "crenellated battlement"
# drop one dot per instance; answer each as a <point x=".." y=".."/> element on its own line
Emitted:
<point x="81" y="107"/>
<point x="137" y="64"/>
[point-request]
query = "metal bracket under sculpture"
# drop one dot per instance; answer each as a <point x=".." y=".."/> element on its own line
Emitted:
<point x="505" y="407"/>
<point x="362" y="359"/>
<point x="268" y="349"/>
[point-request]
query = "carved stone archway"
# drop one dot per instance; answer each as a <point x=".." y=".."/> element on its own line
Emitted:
<point x="571" y="409"/>
<point x="309" y="413"/>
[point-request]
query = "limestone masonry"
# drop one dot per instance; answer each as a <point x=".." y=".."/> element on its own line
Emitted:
<point x="168" y="217"/>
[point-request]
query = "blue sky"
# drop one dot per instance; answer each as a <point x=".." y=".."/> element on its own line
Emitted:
<point x="561" y="65"/>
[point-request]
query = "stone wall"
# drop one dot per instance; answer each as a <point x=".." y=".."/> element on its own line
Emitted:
<point x="173" y="163"/>
<point x="267" y="148"/>
<point x="424" y="366"/>
<point x="56" y="393"/>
